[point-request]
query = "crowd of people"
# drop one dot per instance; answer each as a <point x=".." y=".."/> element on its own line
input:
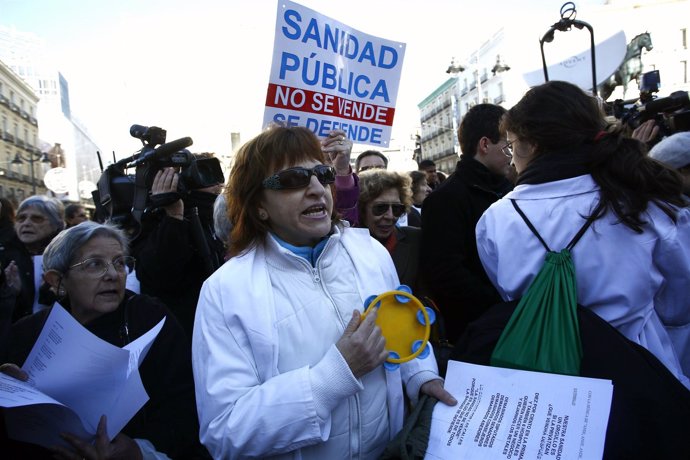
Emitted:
<point x="263" y="279"/>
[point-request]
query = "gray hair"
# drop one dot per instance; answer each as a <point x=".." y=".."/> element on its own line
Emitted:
<point x="221" y="222"/>
<point x="60" y="253"/>
<point x="51" y="207"/>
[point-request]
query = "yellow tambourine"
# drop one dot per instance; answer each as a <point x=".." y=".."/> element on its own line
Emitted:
<point x="405" y="324"/>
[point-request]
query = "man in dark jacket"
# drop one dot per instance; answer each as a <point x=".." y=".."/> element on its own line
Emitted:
<point x="449" y="259"/>
<point x="178" y="248"/>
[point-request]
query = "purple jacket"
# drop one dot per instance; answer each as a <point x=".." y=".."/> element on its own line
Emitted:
<point x="346" y="197"/>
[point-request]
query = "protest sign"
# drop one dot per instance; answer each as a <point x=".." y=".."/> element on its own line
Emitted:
<point x="326" y="75"/>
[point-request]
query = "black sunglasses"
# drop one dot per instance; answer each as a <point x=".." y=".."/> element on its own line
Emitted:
<point x="299" y="177"/>
<point x="381" y="208"/>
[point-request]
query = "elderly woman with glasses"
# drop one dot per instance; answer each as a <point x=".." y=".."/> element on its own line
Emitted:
<point x="38" y="219"/>
<point x="284" y="366"/>
<point x="384" y="196"/>
<point x="86" y="265"/>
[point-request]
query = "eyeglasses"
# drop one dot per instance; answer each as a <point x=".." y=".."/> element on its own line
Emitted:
<point x="379" y="209"/>
<point x="35" y="218"/>
<point x="299" y="177"/>
<point x="96" y="267"/>
<point x="366" y="168"/>
<point x="508" y="148"/>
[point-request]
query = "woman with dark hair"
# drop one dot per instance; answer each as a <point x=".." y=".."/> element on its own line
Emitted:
<point x="633" y="264"/>
<point x="420" y="190"/>
<point x="283" y="364"/>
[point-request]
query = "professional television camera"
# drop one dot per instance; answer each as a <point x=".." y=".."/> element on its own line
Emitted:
<point x="671" y="113"/>
<point x="123" y="198"/>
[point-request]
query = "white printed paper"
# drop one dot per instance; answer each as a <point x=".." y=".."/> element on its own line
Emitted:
<point x="74" y="378"/>
<point x="513" y="414"/>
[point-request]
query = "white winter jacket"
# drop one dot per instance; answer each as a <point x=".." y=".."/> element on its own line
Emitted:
<point x="640" y="283"/>
<point x="269" y="379"/>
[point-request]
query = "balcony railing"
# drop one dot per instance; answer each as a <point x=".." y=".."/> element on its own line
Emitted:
<point x="7" y="137"/>
<point x="20" y="143"/>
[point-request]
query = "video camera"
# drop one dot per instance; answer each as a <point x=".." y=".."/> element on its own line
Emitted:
<point x="123" y="198"/>
<point x="671" y="113"/>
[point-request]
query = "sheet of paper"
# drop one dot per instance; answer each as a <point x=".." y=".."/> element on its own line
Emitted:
<point x="139" y="348"/>
<point x="75" y="367"/>
<point x="75" y="377"/>
<point x="15" y="393"/>
<point x="133" y="395"/>
<point x="512" y="414"/>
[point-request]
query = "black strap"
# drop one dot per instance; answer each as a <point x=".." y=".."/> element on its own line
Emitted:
<point x="570" y="245"/>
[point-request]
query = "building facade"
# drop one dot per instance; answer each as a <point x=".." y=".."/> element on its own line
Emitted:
<point x="482" y="77"/>
<point x="21" y="168"/>
<point x="496" y="71"/>
<point x="76" y="150"/>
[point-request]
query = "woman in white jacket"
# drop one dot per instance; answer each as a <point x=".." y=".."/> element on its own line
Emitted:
<point x="633" y="264"/>
<point x="283" y="365"/>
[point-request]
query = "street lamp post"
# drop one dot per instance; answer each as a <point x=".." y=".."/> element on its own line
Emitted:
<point x="19" y="159"/>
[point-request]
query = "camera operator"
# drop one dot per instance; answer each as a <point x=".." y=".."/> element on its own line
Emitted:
<point x="178" y="249"/>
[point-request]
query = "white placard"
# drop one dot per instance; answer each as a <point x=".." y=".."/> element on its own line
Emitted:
<point x="326" y="75"/>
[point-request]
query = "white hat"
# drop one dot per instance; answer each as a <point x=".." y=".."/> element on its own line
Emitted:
<point x="674" y="150"/>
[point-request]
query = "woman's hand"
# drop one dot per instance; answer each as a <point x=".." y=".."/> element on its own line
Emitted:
<point x="435" y="388"/>
<point x="166" y="181"/>
<point x="122" y="447"/>
<point x="14" y="371"/>
<point x="12" y="278"/>
<point x="338" y="149"/>
<point x="362" y="344"/>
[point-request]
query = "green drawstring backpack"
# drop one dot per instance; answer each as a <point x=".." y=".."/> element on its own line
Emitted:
<point x="543" y="334"/>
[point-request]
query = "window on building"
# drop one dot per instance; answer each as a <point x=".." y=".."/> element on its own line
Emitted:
<point x="684" y="38"/>
<point x="21" y="168"/>
<point x="684" y="70"/>
<point x="12" y="97"/>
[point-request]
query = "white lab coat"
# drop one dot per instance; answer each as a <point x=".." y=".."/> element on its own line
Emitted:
<point x="640" y="283"/>
<point x="247" y="407"/>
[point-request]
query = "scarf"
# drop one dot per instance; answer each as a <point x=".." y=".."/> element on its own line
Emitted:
<point x="391" y="242"/>
<point x="557" y="165"/>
